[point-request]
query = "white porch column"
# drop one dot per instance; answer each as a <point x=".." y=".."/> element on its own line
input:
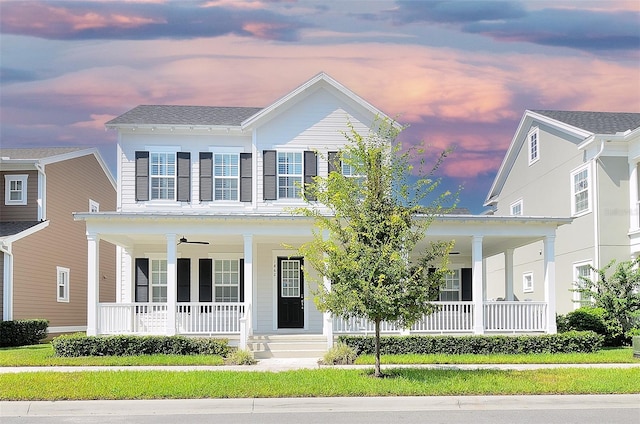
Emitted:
<point x="634" y="221"/>
<point x="508" y="274"/>
<point x="477" y="283"/>
<point x="93" y="281"/>
<point x="327" y="318"/>
<point x="248" y="288"/>
<point x="550" y="282"/>
<point x="172" y="289"/>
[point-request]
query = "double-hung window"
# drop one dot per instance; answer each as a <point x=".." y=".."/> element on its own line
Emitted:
<point x="158" y="280"/>
<point x="527" y="282"/>
<point x="580" y="187"/>
<point x="450" y="291"/>
<point x="581" y="271"/>
<point x="62" y="284"/>
<point x="226" y="173"/>
<point x="226" y="277"/>
<point x="15" y="189"/>
<point x="533" y="144"/>
<point x="289" y="175"/>
<point x="163" y="175"/>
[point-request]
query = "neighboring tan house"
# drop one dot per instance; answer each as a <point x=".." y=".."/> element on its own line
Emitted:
<point x="203" y="215"/>
<point x="582" y="165"/>
<point x="43" y="251"/>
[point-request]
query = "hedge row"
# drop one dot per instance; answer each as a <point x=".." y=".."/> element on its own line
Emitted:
<point x="570" y="342"/>
<point x="128" y="345"/>
<point x="22" y="332"/>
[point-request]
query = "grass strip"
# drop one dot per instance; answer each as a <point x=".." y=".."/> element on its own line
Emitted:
<point x="42" y="355"/>
<point x="313" y="383"/>
<point x="604" y="356"/>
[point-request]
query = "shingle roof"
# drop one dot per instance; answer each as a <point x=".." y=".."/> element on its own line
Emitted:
<point x="10" y="228"/>
<point x="595" y="122"/>
<point x="37" y="153"/>
<point x="184" y="115"/>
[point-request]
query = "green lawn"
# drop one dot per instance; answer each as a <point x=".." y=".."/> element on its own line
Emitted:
<point x="312" y="383"/>
<point x="42" y="355"/>
<point x="604" y="356"/>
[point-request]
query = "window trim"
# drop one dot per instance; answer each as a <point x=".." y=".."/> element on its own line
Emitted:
<point x="214" y="285"/>
<point x="215" y="177"/>
<point x="8" y="179"/>
<point x="535" y="131"/>
<point x="577" y="301"/>
<point x="173" y="177"/>
<point x="518" y="202"/>
<point x="527" y="282"/>
<point x="94" y="205"/>
<point x="300" y="176"/>
<point x="443" y="288"/>
<point x="574" y="173"/>
<point x="152" y="281"/>
<point x="62" y="271"/>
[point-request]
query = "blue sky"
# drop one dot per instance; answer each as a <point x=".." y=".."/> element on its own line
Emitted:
<point x="459" y="73"/>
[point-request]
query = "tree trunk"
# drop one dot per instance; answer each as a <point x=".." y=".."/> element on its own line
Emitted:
<point x="377" y="371"/>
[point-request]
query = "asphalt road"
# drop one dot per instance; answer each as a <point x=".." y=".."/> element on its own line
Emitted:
<point x="583" y="409"/>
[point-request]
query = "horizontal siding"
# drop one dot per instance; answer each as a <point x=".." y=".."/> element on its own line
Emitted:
<point x="1" y="285"/>
<point x="64" y="243"/>
<point x="28" y="212"/>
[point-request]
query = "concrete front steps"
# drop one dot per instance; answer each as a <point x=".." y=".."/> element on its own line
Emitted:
<point x="266" y="346"/>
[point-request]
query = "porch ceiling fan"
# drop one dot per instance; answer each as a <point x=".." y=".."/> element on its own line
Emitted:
<point x="185" y="241"/>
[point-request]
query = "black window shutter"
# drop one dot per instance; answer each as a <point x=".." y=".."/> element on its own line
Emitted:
<point x="334" y="162"/>
<point x="206" y="176"/>
<point x="310" y="171"/>
<point x="142" y="280"/>
<point x="184" y="176"/>
<point x="205" y="280"/>
<point x="142" y="176"/>
<point x="245" y="177"/>
<point x="269" y="175"/>
<point x="467" y="288"/>
<point x="183" y="271"/>
<point x="241" y="290"/>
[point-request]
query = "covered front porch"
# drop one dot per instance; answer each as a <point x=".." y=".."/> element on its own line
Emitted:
<point x="267" y="273"/>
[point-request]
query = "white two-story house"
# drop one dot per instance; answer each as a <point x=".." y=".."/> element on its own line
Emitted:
<point x="582" y="165"/>
<point x="203" y="217"/>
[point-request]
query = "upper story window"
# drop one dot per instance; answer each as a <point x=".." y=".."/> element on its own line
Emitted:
<point x="581" y="271"/>
<point x="15" y="189"/>
<point x="163" y="174"/>
<point x="289" y="175"/>
<point x="450" y="291"/>
<point x="286" y="173"/>
<point x="226" y="172"/>
<point x="62" y="284"/>
<point x="580" y="188"/>
<point x="516" y="207"/>
<point x="533" y="144"/>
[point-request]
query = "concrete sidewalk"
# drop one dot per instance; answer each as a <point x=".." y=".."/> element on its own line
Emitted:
<point x="304" y="405"/>
<point x="288" y="364"/>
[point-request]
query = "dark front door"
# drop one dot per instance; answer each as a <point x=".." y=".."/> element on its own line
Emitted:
<point x="290" y="293"/>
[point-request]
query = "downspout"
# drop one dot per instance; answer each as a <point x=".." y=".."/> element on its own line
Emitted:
<point x="596" y="211"/>
<point x="42" y="192"/>
<point x="7" y="289"/>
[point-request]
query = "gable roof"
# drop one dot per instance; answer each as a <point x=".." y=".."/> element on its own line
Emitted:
<point x="595" y="122"/>
<point x="37" y="153"/>
<point x="227" y="116"/>
<point x="581" y="125"/>
<point x="184" y="115"/>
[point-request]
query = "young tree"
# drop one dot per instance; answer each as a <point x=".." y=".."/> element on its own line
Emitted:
<point x="618" y="294"/>
<point x="369" y="223"/>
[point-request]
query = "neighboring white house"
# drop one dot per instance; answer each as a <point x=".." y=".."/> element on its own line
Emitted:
<point x="582" y="165"/>
<point x="203" y="214"/>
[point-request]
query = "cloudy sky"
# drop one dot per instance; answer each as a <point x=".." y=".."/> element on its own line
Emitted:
<point x="459" y="73"/>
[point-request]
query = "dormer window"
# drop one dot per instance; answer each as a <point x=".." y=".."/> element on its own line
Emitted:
<point x="15" y="189"/>
<point x="533" y="145"/>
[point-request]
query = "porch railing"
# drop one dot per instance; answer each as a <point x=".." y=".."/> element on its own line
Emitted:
<point x="151" y="318"/>
<point x="507" y="316"/>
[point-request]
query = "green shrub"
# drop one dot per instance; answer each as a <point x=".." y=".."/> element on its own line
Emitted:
<point x="569" y="342"/>
<point x="240" y="357"/>
<point x="22" y="332"/>
<point x="340" y="354"/>
<point x="596" y="320"/>
<point x="129" y="345"/>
